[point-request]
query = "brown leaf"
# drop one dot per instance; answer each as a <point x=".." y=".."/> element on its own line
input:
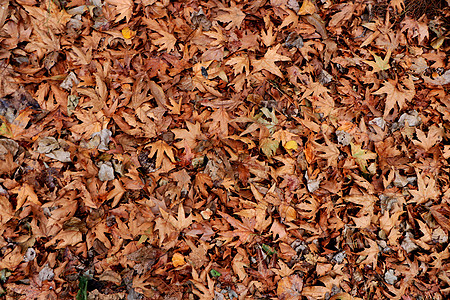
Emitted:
<point x="290" y="288"/>
<point x="123" y="8"/>
<point x="268" y="61"/>
<point x="397" y="92"/>
<point x="234" y="16"/>
<point x="158" y="93"/>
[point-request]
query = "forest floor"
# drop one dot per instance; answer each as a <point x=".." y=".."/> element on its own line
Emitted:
<point x="260" y="149"/>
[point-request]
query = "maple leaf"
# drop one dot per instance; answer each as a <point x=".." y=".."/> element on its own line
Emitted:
<point x="361" y="156"/>
<point x="323" y="104"/>
<point x="426" y="189"/>
<point x="200" y="82"/>
<point x="415" y="28"/>
<point x="25" y="193"/>
<point x="239" y="64"/>
<point x="330" y="152"/>
<point x="166" y="42"/>
<point x="201" y="181"/>
<point x="316" y="89"/>
<point x="174" y="107"/>
<point x="346" y="11"/>
<point x="379" y="64"/>
<point x="290" y="287"/>
<point x="51" y="17"/>
<point x="292" y="18"/>
<point x="268" y="61"/>
<point x="66" y="238"/>
<point x="6" y="210"/>
<point x="199" y="255"/>
<point x="80" y="57"/>
<point x="399" y="5"/>
<point x="428" y="141"/>
<point x="371" y="253"/>
<point x="240" y="261"/>
<point x="308" y="8"/>
<point x="217" y="35"/>
<point x="203" y="292"/>
<point x="181" y="222"/>
<point x="124" y="9"/>
<point x="160" y="147"/>
<point x="142" y="285"/>
<point x="219" y="123"/>
<point x="189" y="135"/>
<point x="397" y="93"/>
<point x="268" y="38"/>
<point x="269" y="146"/>
<point x="7" y="163"/>
<point x="243" y="231"/>
<point x="166" y="232"/>
<point x="234" y="16"/>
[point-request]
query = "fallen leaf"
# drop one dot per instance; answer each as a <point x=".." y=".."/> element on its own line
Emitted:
<point x="268" y="62"/>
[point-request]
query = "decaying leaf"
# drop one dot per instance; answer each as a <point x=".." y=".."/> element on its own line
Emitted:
<point x="281" y="149"/>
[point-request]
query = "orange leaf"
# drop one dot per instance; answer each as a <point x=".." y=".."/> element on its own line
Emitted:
<point x="178" y="260"/>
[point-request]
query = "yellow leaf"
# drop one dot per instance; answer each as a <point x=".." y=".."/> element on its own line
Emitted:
<point x="291" y="145"/>
<point x="128" y="33"/>
<point x="178" y="260"/>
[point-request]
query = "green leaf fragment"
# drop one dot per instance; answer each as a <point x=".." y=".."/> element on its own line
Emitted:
<point x="215" y="273"/>
<point x="268" y="249"/>
<point x="82" y="292"/>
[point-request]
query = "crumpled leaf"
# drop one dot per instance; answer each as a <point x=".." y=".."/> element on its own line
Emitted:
<point x="106" y="171"/>
<point x="52" y="148"/>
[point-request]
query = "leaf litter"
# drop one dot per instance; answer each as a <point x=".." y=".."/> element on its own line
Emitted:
<point x="224" y="150"/>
